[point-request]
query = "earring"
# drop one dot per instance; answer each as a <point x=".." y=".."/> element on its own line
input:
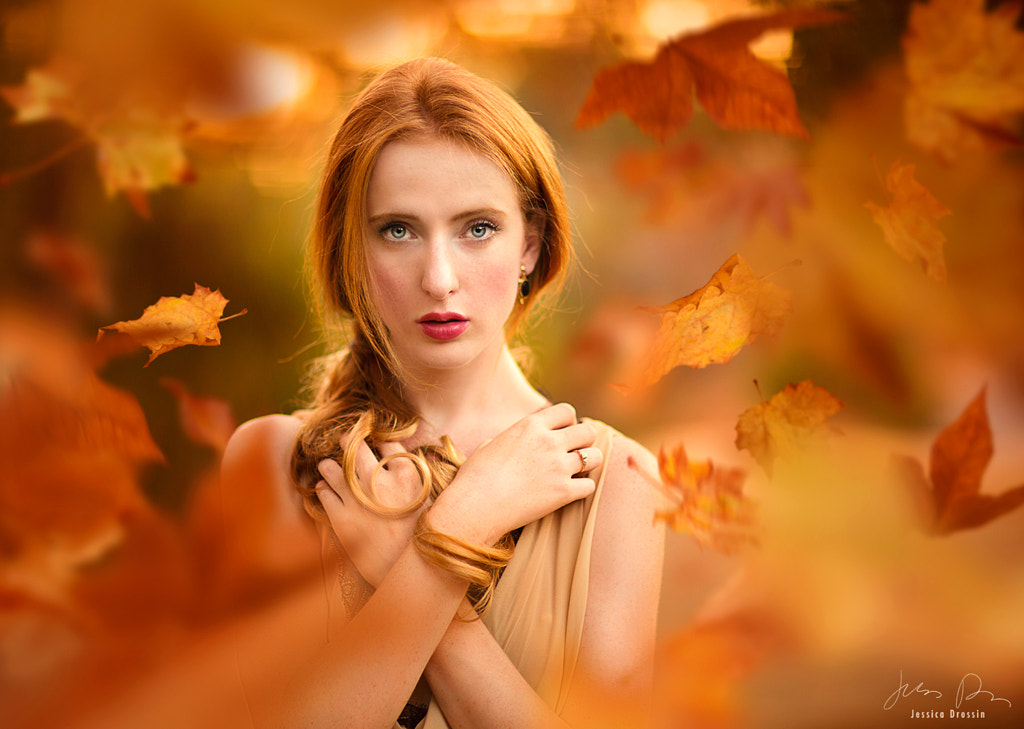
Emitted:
<point x="524" y="285"/>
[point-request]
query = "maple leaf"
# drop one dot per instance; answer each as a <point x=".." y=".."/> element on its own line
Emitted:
<point x="737" y="90"/>
<point x="966" y="71"/>
<point x="909" y="221"/>
<point x="708" y="501"/>
<point x="138" y="149"/>
<point x="949" y="501"/>
<point x="786" y="424"/>
<point x="207" y="420"/>
<point x="712" y="324"/>
<point x="174" y="321"/>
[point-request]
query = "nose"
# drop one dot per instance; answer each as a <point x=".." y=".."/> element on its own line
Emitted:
<point x="439" y="277"/>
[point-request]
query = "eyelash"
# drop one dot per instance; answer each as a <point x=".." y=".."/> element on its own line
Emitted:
<point x="493" y="227"/>
<point x="383" y="230"/>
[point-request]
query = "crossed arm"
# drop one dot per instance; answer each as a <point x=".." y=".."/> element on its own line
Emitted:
<point x="364" y="678"/>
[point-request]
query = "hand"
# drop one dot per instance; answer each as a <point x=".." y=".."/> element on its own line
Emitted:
<point x="524" y="473"/>
<point x="373" y="542"/>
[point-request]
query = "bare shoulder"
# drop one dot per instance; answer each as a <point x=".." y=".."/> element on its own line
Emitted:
<point x="631" y="471"/>
<point x="259" y="452"/>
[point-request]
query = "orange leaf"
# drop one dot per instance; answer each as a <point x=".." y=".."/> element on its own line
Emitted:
<point x="785" y="425"/>
<point x="173" y="322"/>
<point x="712" y="324"/>
<point x="966" y="71"/>
<point x="708" y="502"/>
<point x="950" y="499"/>
<point x="909" y="221"/>
<point x="737" y="90"/>
<point x="207" y="420"/>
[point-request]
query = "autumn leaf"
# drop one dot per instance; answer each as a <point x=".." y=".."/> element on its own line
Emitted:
<point x="173" y="322"/>
<point x="908" y="222"/>
<point x="737" y="90"/>
<point x="138" y="148"/>
<point x="686" y="182"/>
<point x="707" y="501"/>
<point x="966" y="72"/>
<point x="207" y="420"/>
<point x="712" y="324"/>
<point x="786" y="424"/>
<point x="949" y="498"/>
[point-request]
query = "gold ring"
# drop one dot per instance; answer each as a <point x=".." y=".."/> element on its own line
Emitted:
<point x="583" y="460"/>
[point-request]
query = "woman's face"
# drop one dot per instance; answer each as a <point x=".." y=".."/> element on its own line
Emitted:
<point x="445" y="238"/>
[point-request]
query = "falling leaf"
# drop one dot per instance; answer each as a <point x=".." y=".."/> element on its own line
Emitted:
<point x="138" y="148"/>
<point x="708" y="501"/>
<point x="909" y="221"/>
<point x="950" y="500"/>
<point x="785" y="425"/>
<point x="173" y="322"/>
<point x="966" y="71"/>
<point x="207" y="420"/>
<point x="737" y="90"/>
<point x="712" y="324"/>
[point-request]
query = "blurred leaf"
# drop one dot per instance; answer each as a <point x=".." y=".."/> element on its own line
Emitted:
<point x="786" y="424"/>
<point x="138" y="147"/>
<point x="737" y="90"/>
<point x="966" y="70"/>
<point x="909" y="221"/>
<point x="174" y="321"/>
<point x="708" y="502"/>
<point x="686" y="181"/>
<point x="712" y="324"/>
<point x="73" y="265"/>
<point x="207" y="420"/>
<point x="950" y="500"/>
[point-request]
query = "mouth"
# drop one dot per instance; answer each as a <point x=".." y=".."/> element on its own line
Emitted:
<point x="444" y="326"/>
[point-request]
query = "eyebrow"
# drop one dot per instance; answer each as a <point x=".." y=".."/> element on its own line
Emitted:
<point x="476" y="213"/>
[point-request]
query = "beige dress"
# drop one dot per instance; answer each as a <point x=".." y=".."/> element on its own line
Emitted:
<point x="538" y="607"/>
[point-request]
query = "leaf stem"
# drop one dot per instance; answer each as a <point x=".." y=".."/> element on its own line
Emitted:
<point x="57" y="155"/>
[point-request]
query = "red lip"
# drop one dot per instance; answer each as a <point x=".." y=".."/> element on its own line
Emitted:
<point x="443" y="326"/>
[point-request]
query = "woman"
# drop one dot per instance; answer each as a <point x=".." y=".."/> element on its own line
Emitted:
<point x="447" y="485"/>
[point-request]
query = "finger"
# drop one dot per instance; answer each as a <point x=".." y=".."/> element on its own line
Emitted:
<point x="332" y="503"/>
<point x="561" y="415"/>
<point x="332" y="472"/>
<point x="580" y="488"/>
<point x="574" y="437"/>
<point x="365" y="462"/>
<point x="588" y="459"/>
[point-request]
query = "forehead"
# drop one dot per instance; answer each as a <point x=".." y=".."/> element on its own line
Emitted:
<point x="437" y="175"/>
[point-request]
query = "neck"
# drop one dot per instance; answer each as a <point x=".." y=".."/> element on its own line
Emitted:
<point x="472" y="404"/>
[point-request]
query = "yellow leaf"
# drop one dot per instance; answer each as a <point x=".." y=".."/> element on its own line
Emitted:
<point x="966" y="71"/>
<point x="784" y="426"/>
<point x="173" y="322"/>
<point x="909" y="221"/>
<point x="712" y="324"/>
<point x="708" y="501"/>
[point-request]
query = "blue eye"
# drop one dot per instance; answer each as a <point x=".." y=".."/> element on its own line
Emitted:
<point x="482" y="230"/>
<point x="395" y="231"/>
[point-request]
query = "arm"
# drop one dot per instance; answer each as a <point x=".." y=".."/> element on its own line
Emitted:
<point x="476" y="684"/>
<point x="364" y="678"/>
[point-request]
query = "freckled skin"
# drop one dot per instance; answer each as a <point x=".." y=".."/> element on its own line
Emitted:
<point x="445" y="233"/>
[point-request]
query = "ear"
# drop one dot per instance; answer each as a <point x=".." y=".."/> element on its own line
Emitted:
<point x="534" y="234"/>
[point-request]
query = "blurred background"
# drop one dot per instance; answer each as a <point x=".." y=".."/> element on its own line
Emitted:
<point x="147" y="147"/>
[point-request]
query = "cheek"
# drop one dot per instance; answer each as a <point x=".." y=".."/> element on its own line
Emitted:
<point x="387" y="287"/>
